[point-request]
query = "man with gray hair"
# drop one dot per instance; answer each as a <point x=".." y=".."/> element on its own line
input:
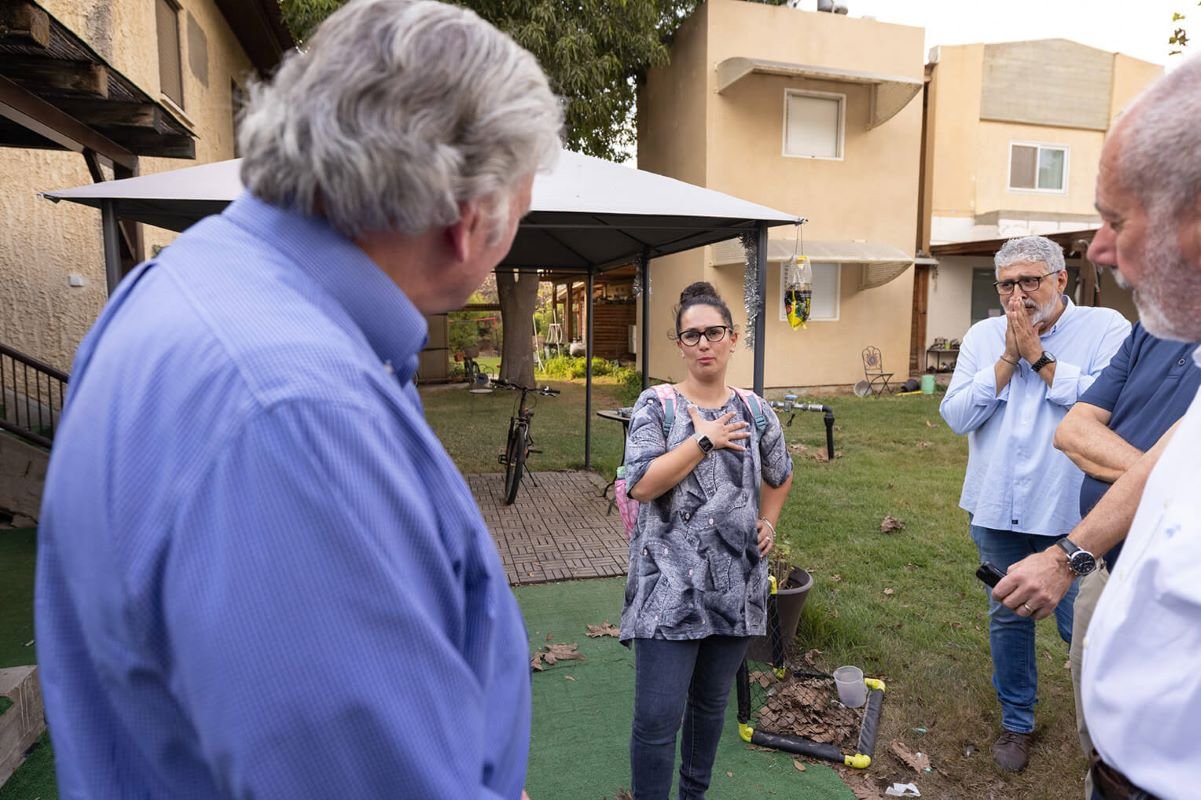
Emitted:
<point x="259" y="573"/>
<point x="1017" y="375"/>
<point x="1140" y="686"/>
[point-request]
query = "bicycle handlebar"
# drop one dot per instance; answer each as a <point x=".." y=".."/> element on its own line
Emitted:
<point x="545" y="391"/>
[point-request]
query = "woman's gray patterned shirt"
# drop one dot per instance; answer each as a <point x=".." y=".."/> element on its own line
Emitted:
<point x="695" y="569"/>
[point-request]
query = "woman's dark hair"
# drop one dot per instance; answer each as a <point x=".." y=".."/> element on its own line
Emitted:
<point x="698" y="294"/>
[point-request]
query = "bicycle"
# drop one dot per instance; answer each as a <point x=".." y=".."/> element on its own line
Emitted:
<point x="519" y="444"/>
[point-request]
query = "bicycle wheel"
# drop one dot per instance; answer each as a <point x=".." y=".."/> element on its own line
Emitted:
<point x="514" y="463"/>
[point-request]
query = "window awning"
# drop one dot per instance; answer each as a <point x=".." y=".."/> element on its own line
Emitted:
<point x="890" y="93"/>
<point x="880" y="262"/>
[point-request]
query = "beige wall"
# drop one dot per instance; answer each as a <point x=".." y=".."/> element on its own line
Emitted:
<point x="46" y="242"/>
<point x="672" y="125"/>
<point x="1130" y="77"/>
<point x="991" y="170"/>
<point x="869" y="194"/>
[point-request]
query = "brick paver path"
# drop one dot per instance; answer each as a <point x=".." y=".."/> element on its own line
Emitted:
<point x="556" y="531"/>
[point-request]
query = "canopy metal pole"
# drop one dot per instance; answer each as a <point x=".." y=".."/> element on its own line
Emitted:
<point x="588" y="376"/>
<point x="761" y="316"/>
<point x="112" y="244"/>
<point x="644" y="330"/>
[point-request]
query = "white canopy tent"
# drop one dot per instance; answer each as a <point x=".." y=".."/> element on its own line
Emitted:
<point x="587" y="215"/>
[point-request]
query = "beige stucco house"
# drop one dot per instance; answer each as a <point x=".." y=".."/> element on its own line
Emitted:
<point x="143" y="78"/>
<point x="811" y="113"/>
<point x="1012" y="141"/>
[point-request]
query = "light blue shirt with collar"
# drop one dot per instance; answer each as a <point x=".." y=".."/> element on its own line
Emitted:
<point x="1016" y="479"/>
<point x="259" y="573"/>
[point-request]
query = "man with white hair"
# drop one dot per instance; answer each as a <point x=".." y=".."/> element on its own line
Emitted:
<point x="259" y="573"/>
<point x="1140" y="687"/>
<point x="1016" y="377"/>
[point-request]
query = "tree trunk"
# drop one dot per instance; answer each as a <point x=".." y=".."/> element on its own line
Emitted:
<point x="518" y="296"/>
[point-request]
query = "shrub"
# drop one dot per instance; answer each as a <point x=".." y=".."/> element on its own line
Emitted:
<point x="572" y="367"/>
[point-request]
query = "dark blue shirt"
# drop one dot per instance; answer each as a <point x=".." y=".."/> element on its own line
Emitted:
<point x="259" y="573"/>
<point x="1146" y="387"/>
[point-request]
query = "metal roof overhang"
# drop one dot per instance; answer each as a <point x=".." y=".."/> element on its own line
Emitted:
<point x="880" y="262"/>
<point x="889" y="93"/>
<point x="1073" y="242"/>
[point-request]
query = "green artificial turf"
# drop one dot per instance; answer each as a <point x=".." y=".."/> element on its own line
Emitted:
<point x="579" y="747"/>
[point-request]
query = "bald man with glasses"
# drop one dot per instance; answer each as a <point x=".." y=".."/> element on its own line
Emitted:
<point x="1016" y="377"/>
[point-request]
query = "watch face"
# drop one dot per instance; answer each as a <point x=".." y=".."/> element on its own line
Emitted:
<point x="705" y="443"/>
<point x="1082" y="562"/>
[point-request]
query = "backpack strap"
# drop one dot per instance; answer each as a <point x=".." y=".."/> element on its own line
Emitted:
<point x="667" y="398"/>
<point x="755" y="405"/>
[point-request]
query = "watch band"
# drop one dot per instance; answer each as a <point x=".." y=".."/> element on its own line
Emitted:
<point x="1043" y="360"/>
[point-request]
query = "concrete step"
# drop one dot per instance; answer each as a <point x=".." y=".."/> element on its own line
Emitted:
<point x="24" y="721"/>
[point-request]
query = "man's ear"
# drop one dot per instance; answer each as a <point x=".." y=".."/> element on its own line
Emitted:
<point x="461" y="235"/>
<point x="1190" y="237"/>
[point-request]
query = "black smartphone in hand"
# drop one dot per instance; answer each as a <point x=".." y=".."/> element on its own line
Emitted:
<point x="989" y="573"/>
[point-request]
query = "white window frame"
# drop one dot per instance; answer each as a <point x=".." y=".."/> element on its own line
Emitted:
<point x="1040" y="146"/>
<point x="837" y="292"/>
<point x="842" y="124"/>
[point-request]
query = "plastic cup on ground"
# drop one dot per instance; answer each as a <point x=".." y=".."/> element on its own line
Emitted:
<point x="852" y="691"/>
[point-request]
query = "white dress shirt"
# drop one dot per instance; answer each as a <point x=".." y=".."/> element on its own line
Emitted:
<point x="1016" y="480"/>
<point x="1142" y="658"/>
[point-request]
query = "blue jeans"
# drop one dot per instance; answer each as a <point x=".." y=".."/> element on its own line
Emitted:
<point x="1010" y="635"/>
<point x="678" y="681"/>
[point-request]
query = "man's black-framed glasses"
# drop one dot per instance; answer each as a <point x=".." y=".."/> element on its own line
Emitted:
<point x="1029" y="283"/>
<point x="714" y="333"/>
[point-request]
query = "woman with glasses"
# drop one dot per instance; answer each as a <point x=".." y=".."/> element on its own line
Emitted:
<point x="709" y="466"/>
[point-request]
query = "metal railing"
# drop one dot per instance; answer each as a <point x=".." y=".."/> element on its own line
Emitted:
<point x="31" y="396"/>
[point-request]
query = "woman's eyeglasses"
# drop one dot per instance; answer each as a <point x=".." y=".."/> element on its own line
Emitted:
<point x="714" y="333"/>
<point x="1029" y="283"/>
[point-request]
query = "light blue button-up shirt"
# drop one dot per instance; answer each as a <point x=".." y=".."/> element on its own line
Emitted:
<point x="259" y="573"/>
<point x="1016" y="479"/>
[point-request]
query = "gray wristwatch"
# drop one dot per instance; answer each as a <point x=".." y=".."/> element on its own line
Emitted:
<point x="1080" y="561"/>
<point x="703" y="442"/>
<point x="1043" y="360"/>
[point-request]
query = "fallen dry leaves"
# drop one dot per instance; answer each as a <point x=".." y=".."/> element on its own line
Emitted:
<point x="861" y="785"/>
<point x="606" y="628"/>
<point x="918" y="762"/>
<point x="891" y="524"/>
<point x="553" y="653"/>
<point x="804" y="707"/>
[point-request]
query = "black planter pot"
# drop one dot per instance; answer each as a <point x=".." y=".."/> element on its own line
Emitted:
<point x="790" y="602"/>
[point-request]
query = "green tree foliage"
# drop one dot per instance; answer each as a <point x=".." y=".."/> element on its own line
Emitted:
<point x="1179" y="38"/>
<point x="593" y="51"/>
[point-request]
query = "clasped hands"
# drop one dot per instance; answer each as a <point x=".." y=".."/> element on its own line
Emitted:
<point x="1021" y="336"/>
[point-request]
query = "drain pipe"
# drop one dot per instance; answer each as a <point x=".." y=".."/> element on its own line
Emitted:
<point x="791" y="405"/>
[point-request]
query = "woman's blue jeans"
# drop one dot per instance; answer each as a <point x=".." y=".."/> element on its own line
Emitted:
<point x="1010" y="635"/>
<point x="676" y="681"/>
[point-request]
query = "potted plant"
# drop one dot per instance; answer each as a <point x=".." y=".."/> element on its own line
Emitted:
<point x="792" y="588"/>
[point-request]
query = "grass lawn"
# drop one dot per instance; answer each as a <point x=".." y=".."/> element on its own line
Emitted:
<point x="927" y="637"/>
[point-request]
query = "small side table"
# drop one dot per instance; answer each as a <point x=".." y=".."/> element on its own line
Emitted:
<point x="615" y="414"/>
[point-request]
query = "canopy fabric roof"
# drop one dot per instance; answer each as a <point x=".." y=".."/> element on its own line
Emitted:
<point x="587" y="214"/>
<point x="890" y="93"/>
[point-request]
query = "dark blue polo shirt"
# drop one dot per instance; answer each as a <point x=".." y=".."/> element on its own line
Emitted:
<point x="1146" y="387"/>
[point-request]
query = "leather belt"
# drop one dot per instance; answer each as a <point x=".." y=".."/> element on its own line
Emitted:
<point x="1113" y="785"/>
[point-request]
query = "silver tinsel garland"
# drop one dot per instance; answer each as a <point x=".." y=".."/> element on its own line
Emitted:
<point x="751" y="290"/>
<point x="636" y="289"/>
